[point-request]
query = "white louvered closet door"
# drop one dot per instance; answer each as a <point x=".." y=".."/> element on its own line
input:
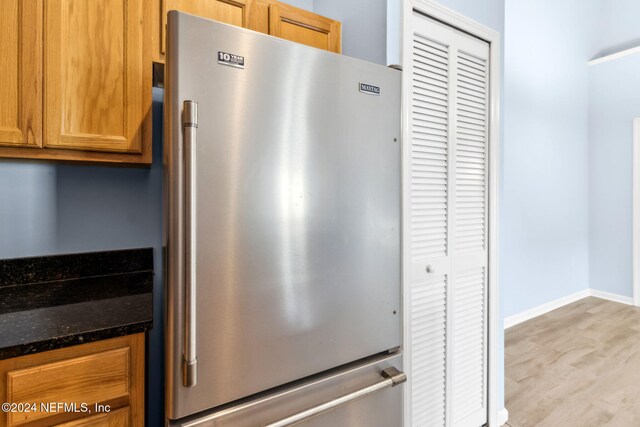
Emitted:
<point x="447" y="231"/>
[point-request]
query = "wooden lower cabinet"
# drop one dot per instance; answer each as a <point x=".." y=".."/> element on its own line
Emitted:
<point x="95" y="384"/>
<point x="118" y="418"/>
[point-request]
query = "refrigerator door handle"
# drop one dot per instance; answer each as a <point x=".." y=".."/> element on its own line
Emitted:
<point x="190" y="361"/>
<point x="392" y="377"/>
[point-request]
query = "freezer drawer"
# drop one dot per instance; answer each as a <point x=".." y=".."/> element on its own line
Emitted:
<point x="376" y="408"/>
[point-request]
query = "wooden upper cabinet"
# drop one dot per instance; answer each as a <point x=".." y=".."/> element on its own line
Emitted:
<point x="266" y="16"/>
<point x="97" y="76"/>
<point x="21" y="73"/>
<point x="304" y="27"/>
<point x="234" y="12"/>
<point x="75" y="80"/>
<point x="76" y="75"/>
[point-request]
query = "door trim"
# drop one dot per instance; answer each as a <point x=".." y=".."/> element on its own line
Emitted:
<point x="636" y="212"/>
<point x="461" y="22"/>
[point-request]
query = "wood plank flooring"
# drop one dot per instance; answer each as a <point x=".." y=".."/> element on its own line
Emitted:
<point x="578" y="366"/>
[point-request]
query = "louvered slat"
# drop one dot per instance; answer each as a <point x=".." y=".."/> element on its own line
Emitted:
<point x="429" y="131"/>
<point x="429" y="235"/>
<point x="471" y="153"/>
<point x="428" y="356"/>
<point x="469" y="342"/>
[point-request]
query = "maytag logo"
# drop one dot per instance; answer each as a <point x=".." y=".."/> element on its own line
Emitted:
<point x="370" y="89"/>
<point x="230" y="59"/>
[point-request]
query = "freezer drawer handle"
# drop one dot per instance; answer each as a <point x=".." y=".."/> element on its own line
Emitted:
<point x="392" y="377"/>
<point x="190" y="362"/>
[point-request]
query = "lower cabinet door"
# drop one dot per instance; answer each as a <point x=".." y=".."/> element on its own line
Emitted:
<point x="86" y="380"/>
<point x="94" y="384"/>
<point x="117" y="418"/>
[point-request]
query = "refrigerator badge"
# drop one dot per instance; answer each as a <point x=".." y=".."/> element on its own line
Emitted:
<point x="370" y="89"/>
<point x="230" y="60"/>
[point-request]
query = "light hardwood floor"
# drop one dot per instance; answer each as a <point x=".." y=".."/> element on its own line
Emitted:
<point x="577" y="366"/>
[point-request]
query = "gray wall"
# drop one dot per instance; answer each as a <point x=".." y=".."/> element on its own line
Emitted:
<point x="545" y="245"/>
<point x="614" y="101"/>
<point x="490" y="13"/>
<point x="27" y="208"/>
<point x="303" y="4"/>
<point x="364" y="26"/>
<point x="617" y="27"/>
<point x="614" y="92"/>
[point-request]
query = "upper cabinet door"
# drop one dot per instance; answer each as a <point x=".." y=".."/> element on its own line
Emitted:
<point x="97" y="76"/>
<point x="304" y="27"/>
<point x="21" y="73"/>
<point x="234" y="12"/>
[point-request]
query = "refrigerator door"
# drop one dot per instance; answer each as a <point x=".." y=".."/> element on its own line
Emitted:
<point x="343" y="398"/>
<point x="292" y="266"/>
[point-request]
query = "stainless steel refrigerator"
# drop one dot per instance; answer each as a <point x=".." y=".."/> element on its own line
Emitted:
<point x="282" y="232"/>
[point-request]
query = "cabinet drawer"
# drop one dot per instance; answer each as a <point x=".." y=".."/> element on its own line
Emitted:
<point x="117" y="418"/>
<point x="88" y="379"/>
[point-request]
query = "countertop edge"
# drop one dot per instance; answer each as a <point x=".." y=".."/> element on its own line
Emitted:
<point x="74" y="339"/>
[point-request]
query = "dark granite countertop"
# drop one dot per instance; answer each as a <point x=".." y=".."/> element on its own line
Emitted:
<point x="62" y="300"/>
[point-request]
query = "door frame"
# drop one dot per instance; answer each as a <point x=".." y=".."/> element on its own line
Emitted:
<point x="636" y="212"/>
<point x="461" y="22"/>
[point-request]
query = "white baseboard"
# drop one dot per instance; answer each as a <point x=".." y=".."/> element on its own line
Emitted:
<point x="612" y="297"/>
<point x="552" y="305"/>
<point x="545" y="308"/>
<point x="503" y="416"/>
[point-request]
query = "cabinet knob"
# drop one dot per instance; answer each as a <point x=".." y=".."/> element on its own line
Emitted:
<point x="430" y="268"/>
